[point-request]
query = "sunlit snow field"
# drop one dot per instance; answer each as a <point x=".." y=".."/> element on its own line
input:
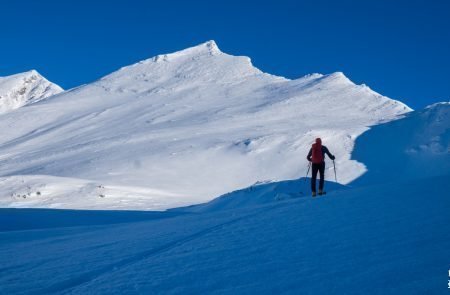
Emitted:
<point x="193" y="165"/>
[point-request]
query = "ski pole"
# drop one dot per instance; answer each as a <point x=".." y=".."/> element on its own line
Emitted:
<point x="307" y="172"/>
<point x="335" y="177"/>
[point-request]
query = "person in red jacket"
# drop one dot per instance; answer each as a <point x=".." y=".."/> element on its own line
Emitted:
<point x="316" y="155"/>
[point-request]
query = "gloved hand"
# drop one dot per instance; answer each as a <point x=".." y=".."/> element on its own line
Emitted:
<point x="333" y="157"/>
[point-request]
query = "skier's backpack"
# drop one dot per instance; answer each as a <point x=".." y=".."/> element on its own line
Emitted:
<point x="317" y="155"/>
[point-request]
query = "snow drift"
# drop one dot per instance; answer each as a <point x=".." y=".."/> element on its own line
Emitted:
<point x="415" y="147"/>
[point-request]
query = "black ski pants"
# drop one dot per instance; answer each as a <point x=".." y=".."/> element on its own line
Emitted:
<point x="321" y="169"/>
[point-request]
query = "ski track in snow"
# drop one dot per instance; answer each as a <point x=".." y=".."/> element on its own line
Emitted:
<point x="65" y="286"/>
<point x="338" y="242"/>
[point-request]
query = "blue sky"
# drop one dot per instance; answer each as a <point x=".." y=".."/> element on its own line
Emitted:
<point x="398" y="48"/>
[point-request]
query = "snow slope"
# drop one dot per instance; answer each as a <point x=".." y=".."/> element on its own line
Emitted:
<point x="414" y="147"/>
<point x="23" y="89"/>
<point x="384" y="239"/>
<point x="385" y="232"/>
<point x="191" y="125"/>
<point x="394" y="155"/>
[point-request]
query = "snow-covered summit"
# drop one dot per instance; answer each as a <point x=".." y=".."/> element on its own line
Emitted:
<point x="185" y="127"/>
<point x="441" y="104"/>
<point x="207" y="48"/>
<point x="204" y="63"/>
<point x="24" y="88"/>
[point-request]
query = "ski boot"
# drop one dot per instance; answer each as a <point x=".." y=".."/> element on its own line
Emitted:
<point x="321" y="192"/>
<point x="313" y="194"/>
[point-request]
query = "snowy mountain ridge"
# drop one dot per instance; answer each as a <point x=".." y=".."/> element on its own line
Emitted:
<point x="23" y="89"/>
<point x="191" y="125"/>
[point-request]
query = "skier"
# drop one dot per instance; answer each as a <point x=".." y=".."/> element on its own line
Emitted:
<point x="316" y="155"/>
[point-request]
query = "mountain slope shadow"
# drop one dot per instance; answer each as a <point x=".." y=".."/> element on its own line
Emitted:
<point x="261" y="193"/>
<point x="416" y="146"/>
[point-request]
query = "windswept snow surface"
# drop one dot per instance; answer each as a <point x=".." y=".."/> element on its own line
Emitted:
<point x="181" y="128"/>
<point x="416" y="146"/>
<point x="384" y="239"/>
<point x="369" y="237"/>
<point x="24" y="88"/>
<point x="57" y="192"/>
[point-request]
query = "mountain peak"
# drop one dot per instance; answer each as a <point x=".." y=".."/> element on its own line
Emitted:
<point x="209" y="47"/>
<point x="337" y="76"/>
<point x="24" y="88"/>
<point x="206" y="48"/>
<point x="202" y="63"/>
<point x="441" y="104"/>
<point x="29" y="73"/>
<point x="33" y="72"/>
<point x="25" y="76"/>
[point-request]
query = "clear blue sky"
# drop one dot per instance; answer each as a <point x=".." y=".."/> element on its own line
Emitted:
<point x="398" y="48"/>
